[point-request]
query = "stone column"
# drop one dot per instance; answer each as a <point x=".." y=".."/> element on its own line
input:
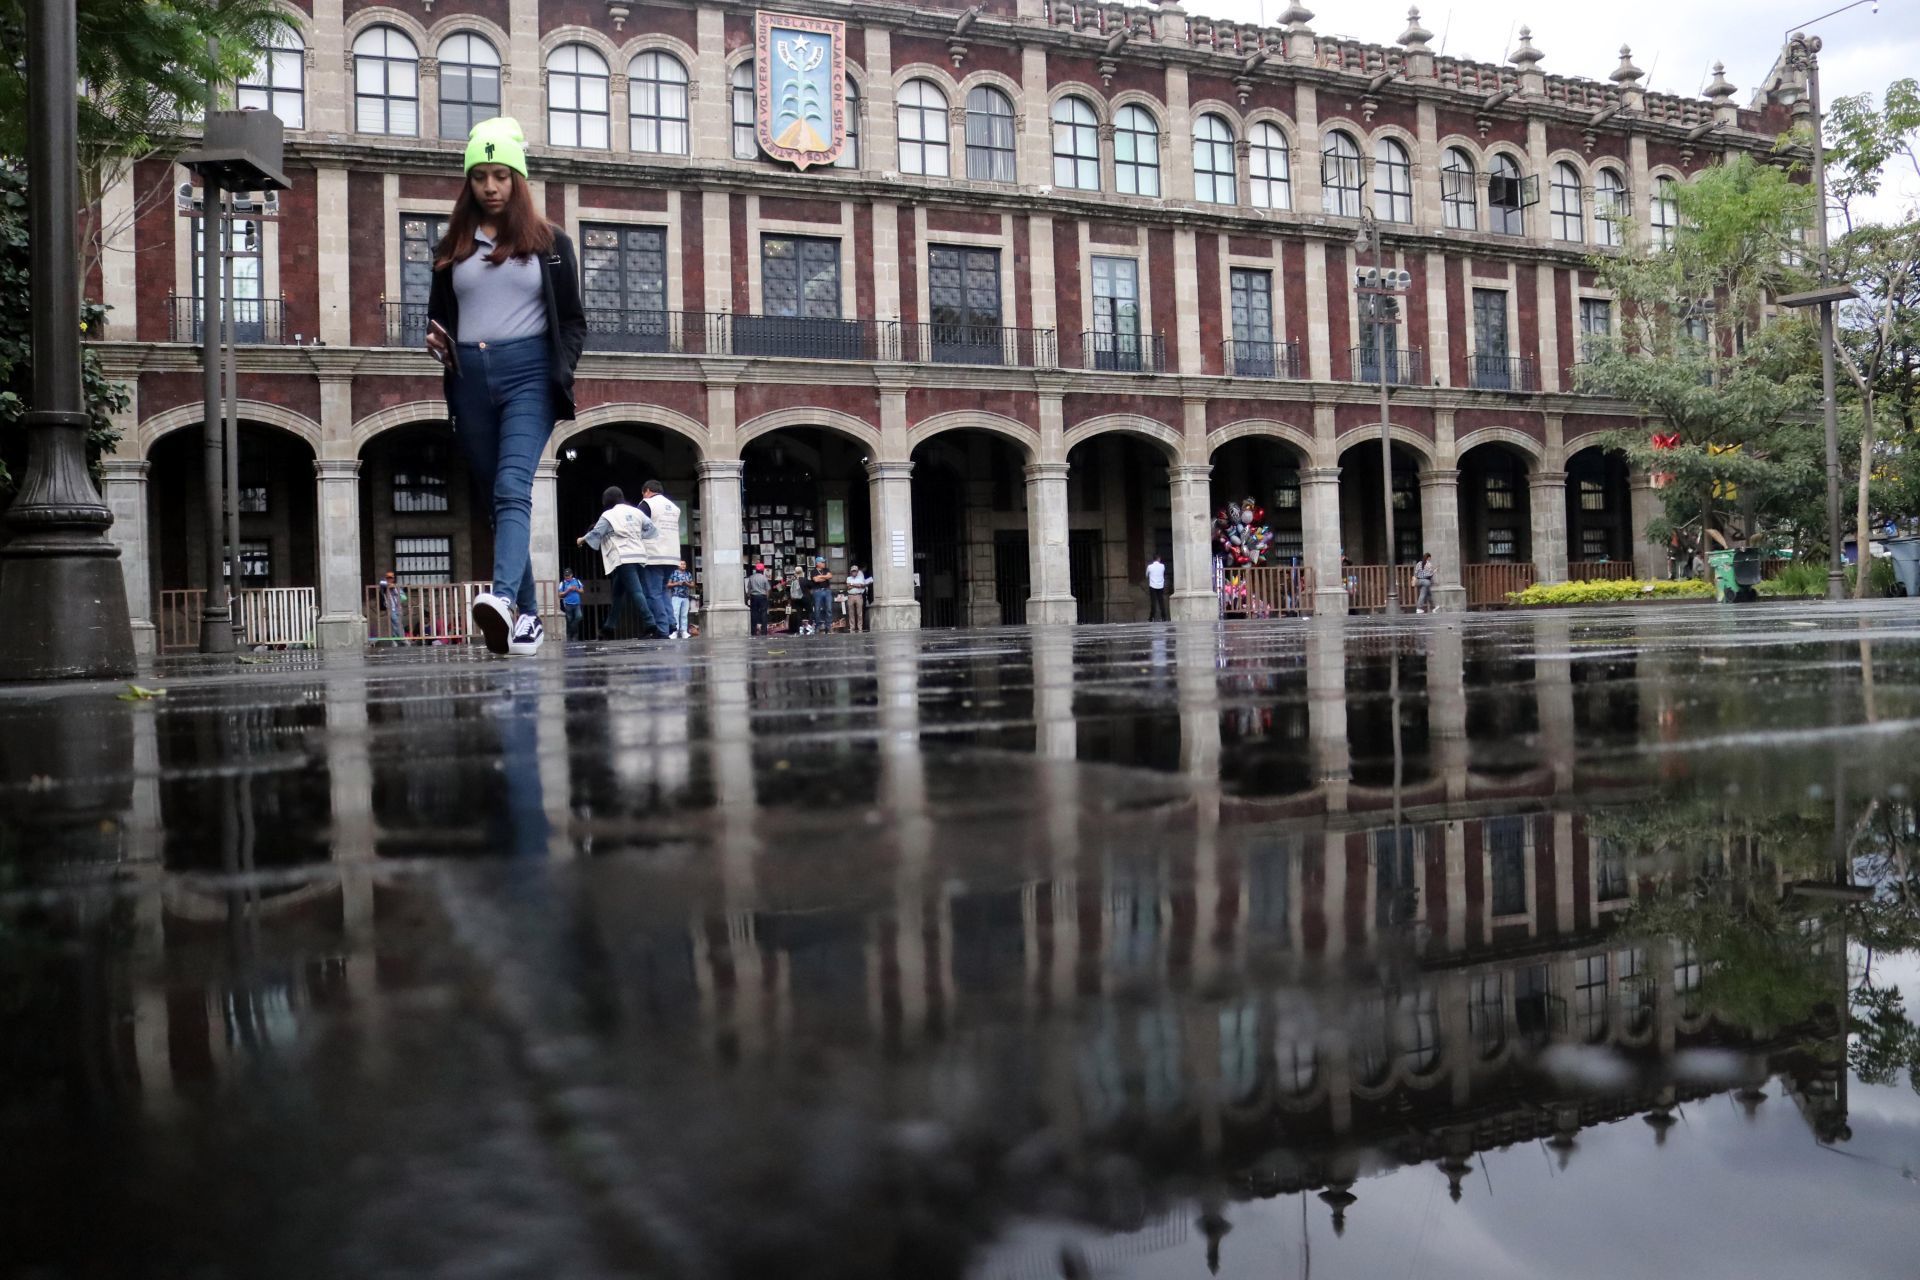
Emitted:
<point x="1051" y="600"/>
<point x="1193" y="596"/>
<point x="723" y="608"/>
<point x="1650" y="558"/>
<point x="1548" y="497"/>
<point x="1440" y="528"/>
<point x="1320" y="533"/>
<point x="1327" y="705"/>
<point x="342" y="625"/>
<point x="124" y="488"/>
<point x="545" y="544"/>
<point x="1553" y="687"/>
<point x="1447" y="718"/>
<point x="523" y="78"/>
<point x="894" y="608"/>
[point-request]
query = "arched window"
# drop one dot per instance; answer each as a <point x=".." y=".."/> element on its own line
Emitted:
<point x="1392" y="182"/>
<point x="746" y="143"/>
<point x="386" y="83"/>
<point x="923" y="129"/>
<point x="1270" y="167"/>
<point x="1459" y="199"/>
<point x="469" y="83"/>
<point x="1076" y="145"/>
<point x="1136" y="152"/>
<point x="990" y="149"/>
<point x="278" y="81"/>
<point x="1664" y="216"/>
<point x="1214" y="180"/>
<point x="657" y="94"/>
<point x="850" y="153"/>
<point x="1505" y="196"/>
<point x="1610" y="208"/>
<point x="1340" y="175"/>
<point x="1564" y="204"/>
<point x="577" y="114"/>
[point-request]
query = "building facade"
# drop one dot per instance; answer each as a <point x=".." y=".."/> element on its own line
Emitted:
<point x="1082" y="274"/>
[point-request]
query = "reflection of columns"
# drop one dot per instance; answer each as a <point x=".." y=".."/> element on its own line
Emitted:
<point x="1553" y="686"/>
<point x="1051" y="601"/>
<point x="1447" y="713"/>
<point x="1327" y="705"/>
<point x="556" y="759"/>
<point x="1548" y="498"/>
<point x="737" y="803"/>
<point x="890" y="485"/>
<point x="1320" y="534"/>
<point x="1649" y="558"/>
<point x="1056" y="733"/>
<point x="723" y="609"/>
<point x="544" y="546"/>
<point x="1440" y="528"/>
<point x="124" y="489"/>
<point x="1193" y="598"/>
<point x="353" y="849"/>
<point x="342" y="625"/>
<point x="1199" y="701"/>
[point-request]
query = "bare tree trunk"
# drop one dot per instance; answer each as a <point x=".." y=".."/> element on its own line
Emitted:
<point x="1862" y="540"/>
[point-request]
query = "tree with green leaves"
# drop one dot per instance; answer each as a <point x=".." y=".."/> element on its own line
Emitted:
<point x="1699" y="354"/>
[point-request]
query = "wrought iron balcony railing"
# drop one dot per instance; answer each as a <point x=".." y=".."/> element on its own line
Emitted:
<point x="813" y="338"/>
<point x="1261" y="359"/>
<point x="406" y="323"/>
<point x="1502" y="373"/>
<point x="1404" y="368"/>
<point x="938" y="343"/>
<point x="680" y="333"/>
<point x="256" y="321"/>
<point x="1124" y="352"/>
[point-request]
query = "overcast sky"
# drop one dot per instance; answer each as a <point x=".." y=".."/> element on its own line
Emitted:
<point x="1675" y="41"/>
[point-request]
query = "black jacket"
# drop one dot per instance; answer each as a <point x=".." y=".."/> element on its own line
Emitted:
<point x="566" y="319"/>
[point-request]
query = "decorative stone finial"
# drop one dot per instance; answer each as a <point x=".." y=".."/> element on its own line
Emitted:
<point x="1626" y="73"/>
<point x="1296" y="17"/>
<point x="1526" y="56"/>
<point x="1415" y="36"/>
<point x="1721" y="89"/>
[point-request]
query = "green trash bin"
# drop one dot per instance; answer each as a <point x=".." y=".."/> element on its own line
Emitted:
<point x="1736" y="575"/>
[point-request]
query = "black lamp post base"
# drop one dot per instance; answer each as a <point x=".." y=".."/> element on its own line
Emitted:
<point x="66" y="614"/>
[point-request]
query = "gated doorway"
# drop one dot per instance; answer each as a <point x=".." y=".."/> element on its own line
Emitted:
<point x="1012" y="575"/>
<point x="1086" y="573"/>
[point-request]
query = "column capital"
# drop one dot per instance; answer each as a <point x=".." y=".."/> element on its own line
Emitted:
<point x="1438" y="477"/>
<point x="1039" y="471"/>
<point x="721" y="469"/>
<point x="1547" y="480"/>
<point x="125" y="468"/>
<point x="337" y="468"/>
<point x="1190" y="471"/>
<point x="1319" y="475"/>
<point x="890" y="470"/>
<point x="547" y="469"/>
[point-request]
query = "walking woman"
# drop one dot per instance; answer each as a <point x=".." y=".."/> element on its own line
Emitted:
<point x="505" y="320"/>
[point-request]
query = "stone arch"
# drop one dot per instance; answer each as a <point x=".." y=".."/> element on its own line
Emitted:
<point x="1025" y="438"/>
<point x="257" y="411"/>
<point x="991" y="80"/>
<point x="806" y="416"/>
<point x="1269" y="429"/>
<point x="1419" y="444"/>
<point x="937" y="76"/>
<point x="1168" y="438"/>
<point x="1225" y="110"/>
<point x="1584" y="441"/>
<point x="1080" y="89"/>
<point x="394" y="416"/>
<point x="400" y="21"/>
<point x="624" y="415"/>
<point x="469" y="24"/>
<point x="594" y="40"/>
<point x="1155" y="109"/>
<point x="658" y="42"/>
<point x="1522" y="443"/>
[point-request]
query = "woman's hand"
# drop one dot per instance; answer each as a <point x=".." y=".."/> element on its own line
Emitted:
<point x="438" y="344"/>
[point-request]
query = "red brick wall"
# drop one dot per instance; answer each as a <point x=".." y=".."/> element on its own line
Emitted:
<point x="739" y="30"/>
<point x="578" y="13"/>
<point x="681" y="24"/>
<point x="493" y="10"/>
<point x="1022" y="273"/>
<point x="557" y="203"/>
<point x="1166" y="316"/>
<point x="1212" y="314"/>
<point x="1464" y="124"/>
<point x="1465" y="420"/>
<point x="1563" y="314"/>
<point x="1337" y="310"/>
<point x="1474" y="842"/>
<point x="908" y="50"/>
<point x="367" y="258"/>
<point x="756" y="399"/>
<point x="629" y="199"/>
<point x="786" y="209"/>
<point x="1080" y="407"/>
<point x="296" y="391"/>
<point x="1066" y="280"/>
<point x="371" y="395"/>
<point x="1413" y="334"/>
<point x="1206" y="88"/>
<point x="1250" y="246"/>
<point x="737" y="231"/>
<point x="909" y="265"/>
<point x="689" y="398"/>
<point x="1526" y="283"/>
<point x="443" y="188"/>
<point x="925" y="402"/>
<point x="1456" y="354"/>
<point x="300" y="255"/>
<point x="1293" y="271"/>
<point x="1544" y="873"/>
<point x="153" y="242"/>
<point x="1419" y="418"/>
<point x="863" y="259"/>
<point x="693" y="252"/>
<point x="966" y="221"/>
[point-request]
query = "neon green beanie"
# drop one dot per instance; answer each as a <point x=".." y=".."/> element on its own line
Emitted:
<point x="498" y="141"/>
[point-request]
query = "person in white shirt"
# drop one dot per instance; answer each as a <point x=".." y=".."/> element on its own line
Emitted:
<point x="857" y="584"/>
<point x="1156" y="591"/>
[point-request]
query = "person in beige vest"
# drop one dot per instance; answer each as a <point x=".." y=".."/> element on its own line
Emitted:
<point x="620" y="536"/>
<point x="661" y="555"/>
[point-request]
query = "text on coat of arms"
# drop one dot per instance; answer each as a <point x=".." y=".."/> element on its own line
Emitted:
<point x="800" y="96"/>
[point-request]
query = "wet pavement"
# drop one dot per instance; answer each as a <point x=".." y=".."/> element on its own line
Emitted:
<point x="1572" y="945"/>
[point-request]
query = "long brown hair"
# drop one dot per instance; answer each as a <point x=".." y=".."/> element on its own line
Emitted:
<point x="522" y="230"/>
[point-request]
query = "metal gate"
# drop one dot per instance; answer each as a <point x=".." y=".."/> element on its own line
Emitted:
<point x="1086" y="560"/>
<point x="1012" y="575"/>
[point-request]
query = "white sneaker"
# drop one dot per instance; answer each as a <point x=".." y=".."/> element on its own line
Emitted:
<point x="494" y="619"/>
<point x="527" y="636"/>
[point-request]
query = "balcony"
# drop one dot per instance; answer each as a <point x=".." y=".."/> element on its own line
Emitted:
<point x="1124" y="352"/>
<point x="1404" y="368"/>
<point x="256" y="321"/>
<point x="678" y="333"/>
<point x="813" y="338"/>
<point x="975" y="344"/>
<point x="406" y="323"/>
<point x="1502" y="373"/>
<point x="1261" y="359"/>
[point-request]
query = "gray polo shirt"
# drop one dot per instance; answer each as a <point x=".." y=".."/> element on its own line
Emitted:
<point x="499" y="304"/>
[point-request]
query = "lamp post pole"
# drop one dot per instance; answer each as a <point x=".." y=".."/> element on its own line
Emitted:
<point x="1377" y="289"/>
<point x="61" y="589"/>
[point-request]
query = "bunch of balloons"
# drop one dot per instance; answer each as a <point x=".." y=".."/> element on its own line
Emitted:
<point x="1239" y="534"/>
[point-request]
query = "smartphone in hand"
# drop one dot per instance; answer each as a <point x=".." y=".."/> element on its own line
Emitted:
<point x="443" y="350"/>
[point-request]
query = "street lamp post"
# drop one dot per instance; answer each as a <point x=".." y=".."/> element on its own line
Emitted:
<point x="1378" y="288"/>
<point x="61" y="589"/>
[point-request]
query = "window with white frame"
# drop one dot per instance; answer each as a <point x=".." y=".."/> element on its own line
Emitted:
<point x="469" y="83"/>
<point x="1340" y="175"/>
<point x="1506" y="196"/>
<point x="1136" y="152"/>
<point x="990" y="135"/>
<point x="923" y="129"/>
<point x="1596" y="326"/>
<point x="577" y="98"/>
<point x="1590" y="995"/>
<point x="1593" y="542"/>
<point x="1214" y="179"/>
<point x="1663" y="213"/>
<point x="420" y="479"/>
<point x="256" y="563"/>
<point x="277" y="82"/>
<point x="417" y="561"/>
<point x="850" y="151"/>
<point x="386" y="83"/>
<point x="1076" y="145"/>
<point x="657" y="103"/>
<point x="1269" y="167"/>
<point x="746" y="143"/>
<point x="1459" y="194"/>
<point x="1610" y="208"/>
<point x="1392" y="182"/>
<point x="1564" y="203"/>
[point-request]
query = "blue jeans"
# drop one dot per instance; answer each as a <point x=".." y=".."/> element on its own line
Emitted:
<point x="573" y="621"/>
<point x="822" y="608"/>
<point x="629" y="601"/>
<point x="653" y="589"/>
<point x="503" y="414"/>
<point x="682" y="605"/>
